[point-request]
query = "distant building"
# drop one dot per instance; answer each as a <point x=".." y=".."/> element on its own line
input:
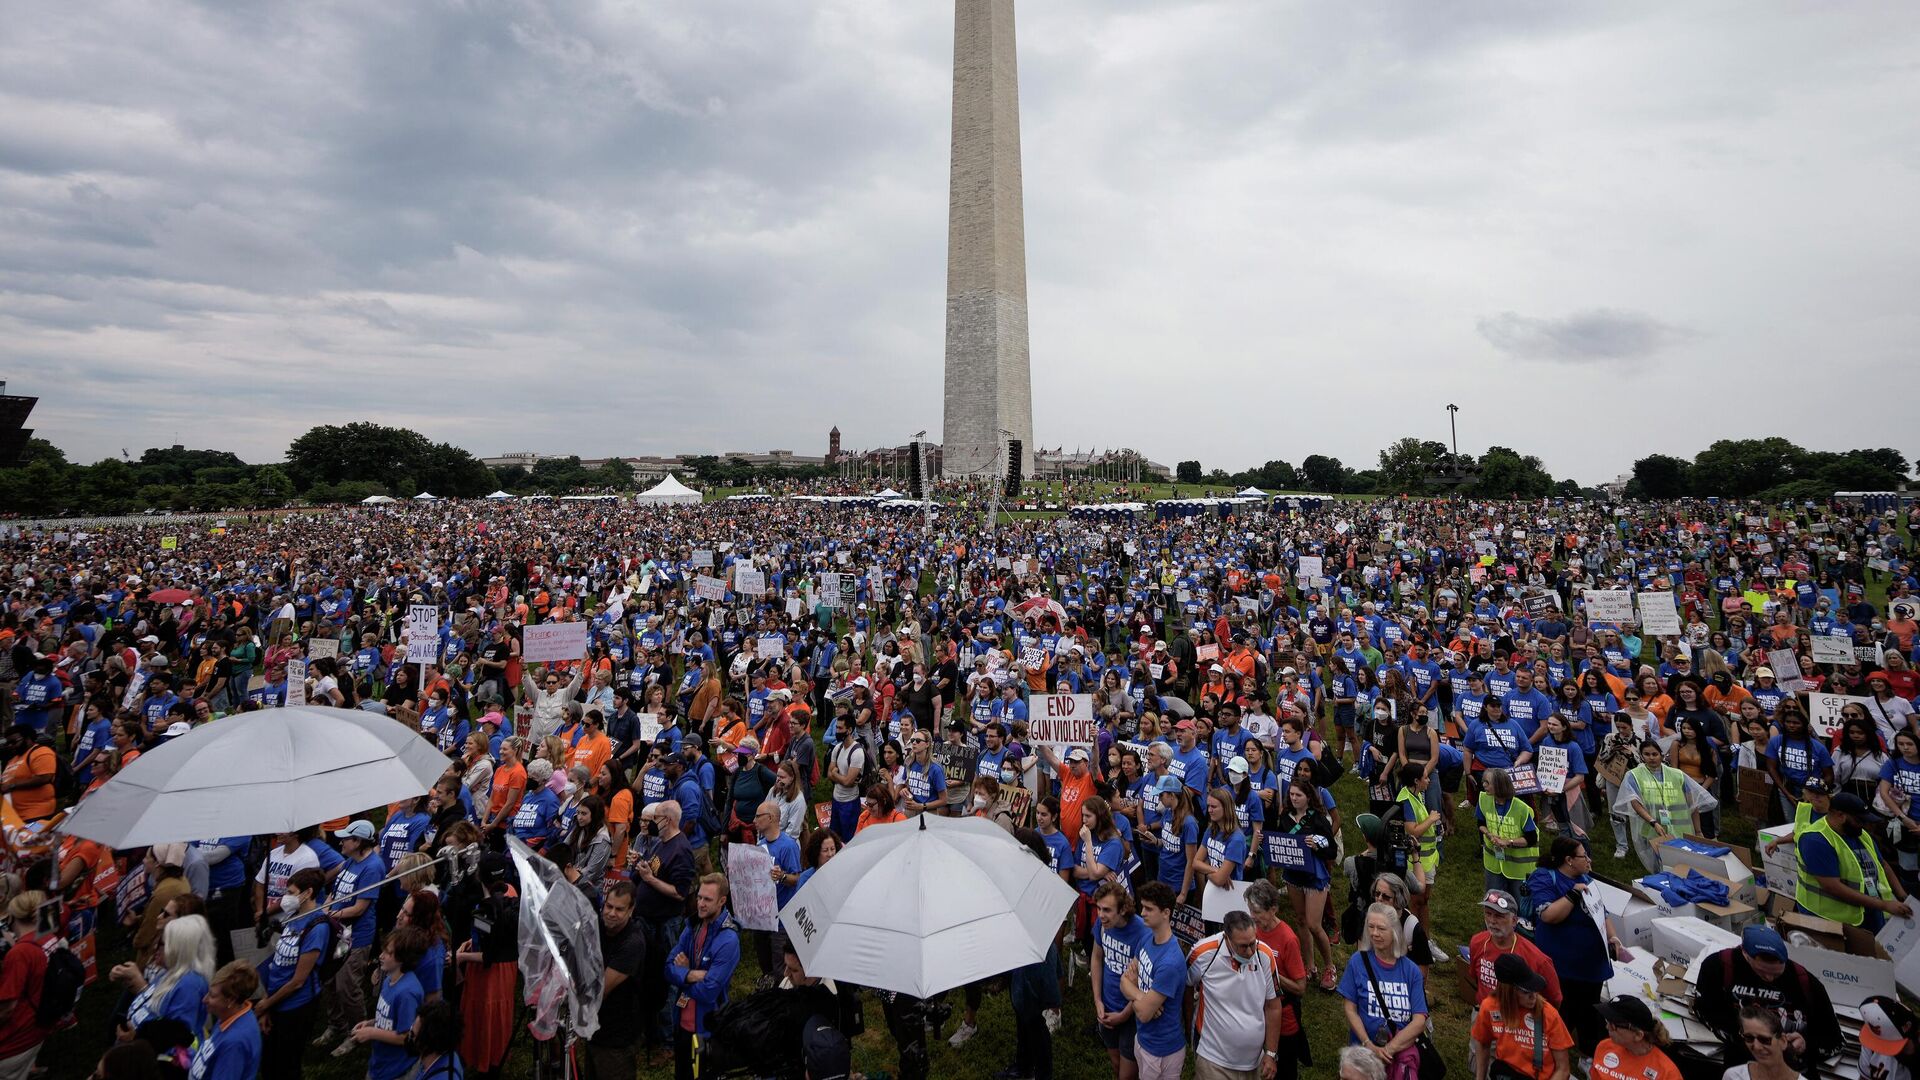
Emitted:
<point x="14" y="434"/>
<point x="653" y="467"/>
<point x="1127" y="465"/>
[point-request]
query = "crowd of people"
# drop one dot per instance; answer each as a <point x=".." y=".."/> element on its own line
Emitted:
<point x="789" y="674"/>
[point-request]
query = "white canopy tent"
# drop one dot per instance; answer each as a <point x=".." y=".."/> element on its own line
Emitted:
<point x="500" y="495"/>
<point x="426" y="496"/>
<point x="890" y="494"/>
<point x="377" y="500"/>
<point x="1253" y="492"/>
<point x="668" y="492"/>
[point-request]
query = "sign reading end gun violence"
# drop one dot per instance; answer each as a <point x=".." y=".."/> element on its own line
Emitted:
<point x="1063" y="721"/>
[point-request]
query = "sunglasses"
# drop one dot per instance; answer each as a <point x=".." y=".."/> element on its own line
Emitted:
<point x="1757" y="1040"/>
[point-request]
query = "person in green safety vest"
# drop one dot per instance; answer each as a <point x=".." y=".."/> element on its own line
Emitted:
<point x="1509" y="837"/>
<point x="1409" y="810"/>
<point x="1843" y="876"/>
<point x="1663" y="802"/>
<point x="1813" y="805"/>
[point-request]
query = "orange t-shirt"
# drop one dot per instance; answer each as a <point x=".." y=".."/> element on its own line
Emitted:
<point x="1074" y="794"/>
<point x="593" y="750"/>
<point x="868" y="817"/>
<point x="33" y="803"/>
<point x="506" y="779"/>
<point x="620" y="812"/>
<point x="1612" y="1063"/>
<point x="1513" y="1044"/>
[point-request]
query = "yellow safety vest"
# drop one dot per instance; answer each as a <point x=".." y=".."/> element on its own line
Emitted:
<point x="1807" y="891"/>
<point x="1516" y="863"/>
<point x="1665" y="796"/>
<point x="1416" y="812"/>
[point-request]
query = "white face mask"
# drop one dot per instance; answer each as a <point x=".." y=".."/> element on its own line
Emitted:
<point x="289" y="904"/>
<point x="979" y="802"/>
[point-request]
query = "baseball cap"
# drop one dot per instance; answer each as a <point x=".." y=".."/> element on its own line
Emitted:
<point x="1183" y="725"/>
<point x="1215" y="668"/>
<point x="1513" y="971"/>
<point x="1237" y="765"/>
<point x="178" y="728"/>
<point x="1159" y="644"/>
<point x="1626" y="1011"/>
<point x="1848" y="803"/>
<point x="1815" y="783"/>
<point x="1879" y="1030"/>
<point x="1765" y="941"/>
<point x="1078" y="753"/>
<point x="1167" y="785"/>
<point x="357" y="830"/>
<point x="1501" y="901"/>
<point x="1763" y="673"/>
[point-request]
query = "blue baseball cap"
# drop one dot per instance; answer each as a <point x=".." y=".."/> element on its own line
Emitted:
<point x="1761" y="940"/>
<point x="1167" y="785"/>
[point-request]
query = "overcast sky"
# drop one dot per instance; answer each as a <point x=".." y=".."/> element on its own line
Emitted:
<point x="1256" y="229"/>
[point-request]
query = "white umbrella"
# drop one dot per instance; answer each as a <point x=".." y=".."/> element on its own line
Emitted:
<point x="275" y="770"/>
<point x="926" y="905"/>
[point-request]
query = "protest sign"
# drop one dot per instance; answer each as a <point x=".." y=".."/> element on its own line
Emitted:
<point x="1786" y="669"/>
<point x="138" y="686"/>
<point x="1016" y="804"/>
<point x="649" y="727"/>
<point x="1658" y="616"/>
<point x="1207" y="653"/>
<point x="1540" y="604"/>
<point x="793" y="607"/>
<point x="1311" y="566"/>
<point x="169" y="543"/>
<point x="1823" y="711"/>
<point x="750" y="875"/>
<point x="710" y="588"/>
<point x="1525" y="780"/>
<point x="749" y="582"/>
<point x="959" y="761"/>
<point x="423" y="633"/>
<point x="830" y="589"/>
<point x="849" y="592"/>
<point x="1216" y="902"/>
<point x="1832" y="649"/>
<point x="1286" y="851"/>
<point x="703" y="557"/>
<point x="548" y="642"/>
<point x="322" y="648"/>
<point x="1063" y="721"/>
<point x="1609" y="606"/>
<point x="1550" y="767"/>
<point x="771" y="645"/>
<point x="296" y="682"/>
<point x="1189" y="925"/>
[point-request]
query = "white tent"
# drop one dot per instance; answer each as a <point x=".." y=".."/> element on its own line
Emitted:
<point x="666" y="492"/>
<point x="376" y="500"/>
<point x="1254" y="492"/>
<point x="500" y="495"/>
<point x="890" y="494"/>
<point x="426" y="496"/>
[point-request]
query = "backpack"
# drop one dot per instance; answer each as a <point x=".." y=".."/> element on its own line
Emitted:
<point x="60" y="991"/>
<point x="756" y="1032"/>
<point x="65" y="787"/>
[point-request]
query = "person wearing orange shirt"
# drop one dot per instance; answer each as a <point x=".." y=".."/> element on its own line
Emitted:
<point x="1076" y="785"/>
<point x="593" y="747"/>
<point x="1518" y="1028"/>
<point x="1634" y="1048"/>
<point x="509" y="785"/>
<point x="28" y="779"/>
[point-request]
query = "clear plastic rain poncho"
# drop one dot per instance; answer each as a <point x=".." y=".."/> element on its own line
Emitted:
<point x="560" y="959"/>
<point x="1673" y="807"/>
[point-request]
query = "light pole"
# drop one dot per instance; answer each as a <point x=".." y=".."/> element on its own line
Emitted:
<point x="1454" y="427"/>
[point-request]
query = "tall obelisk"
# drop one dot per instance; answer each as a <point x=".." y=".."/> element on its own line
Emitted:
<point x="988" y="385"/>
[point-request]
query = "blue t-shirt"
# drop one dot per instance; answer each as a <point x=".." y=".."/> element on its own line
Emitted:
<point x="1798" y="759"/>
<point x="309" y="933"/>
<point x="1163" y="970"/>
<point x="1117" y="950"/>
<point x="1173" y="849"/>
<point x="399" y="1001"/>
<point x="1575" y="944"/>
<point x="1191" y="767"/>
<point x="230" y="1052"/>
<point x="432" y="969"/>
<point x="1228" y="848"/>
<point x="1401" y="985"/>
<point x="533" y="822"/>
<point x="1497" y="745"/>
<point x="93" y="737"/>
<point x="353" y="877"/>
<point x="185" y="1002"/>
<point x="1059" y="850"/>
<point x="1108" y="853"/>
<point x="926" y="784"/>
<point x="1528" y="710"/>
<point x="1904" y="776"/>
<point x="1819" y="859"/>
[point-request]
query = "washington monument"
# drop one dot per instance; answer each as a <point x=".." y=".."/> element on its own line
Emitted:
<point x="988" y="386"/>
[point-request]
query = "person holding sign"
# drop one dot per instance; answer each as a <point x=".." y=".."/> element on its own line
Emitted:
<point x="1307" y="888"/>
<point x="1561" y="754"/>
<point x="1663" y="802"/>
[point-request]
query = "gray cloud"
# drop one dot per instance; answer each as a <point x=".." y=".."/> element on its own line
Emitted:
<point x="1596" y="336"/>
<point x="591" y="226"/>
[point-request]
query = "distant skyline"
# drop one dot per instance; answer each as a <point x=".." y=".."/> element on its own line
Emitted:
<point x="1255" y="230"/>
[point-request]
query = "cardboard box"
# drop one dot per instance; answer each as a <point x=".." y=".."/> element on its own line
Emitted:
<point x="1782" y="868"/>
<point x="1731" y="916"/>
<point x="1731" y="868"/>
<point x="1632" y="916"/>
<point x="1823" y="933"/>
<point x="1681" y="940"/>
<point x="1850" y="980"/>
